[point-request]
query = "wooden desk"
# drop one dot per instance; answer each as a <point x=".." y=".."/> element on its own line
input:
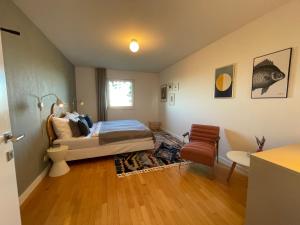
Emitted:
<point x="274" y="187"/>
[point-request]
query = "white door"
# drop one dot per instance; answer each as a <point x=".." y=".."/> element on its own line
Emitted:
<point x="9" y="202"/>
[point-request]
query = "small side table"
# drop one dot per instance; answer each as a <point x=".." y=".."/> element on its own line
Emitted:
<point x="237" y="157"/>
<point x="57" y="155"/>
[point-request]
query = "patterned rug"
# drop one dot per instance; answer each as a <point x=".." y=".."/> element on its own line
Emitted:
<point x="166" y="154"/>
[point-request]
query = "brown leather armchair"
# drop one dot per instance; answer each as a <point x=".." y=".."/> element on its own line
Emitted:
<point x="203" y="144"/>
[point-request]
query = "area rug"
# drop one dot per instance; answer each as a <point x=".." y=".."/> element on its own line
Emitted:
<point x="166" y="154"/>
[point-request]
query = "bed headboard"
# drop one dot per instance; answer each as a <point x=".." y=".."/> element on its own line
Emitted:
<point x="55" y="112"/>
<point x="50" y="131"/>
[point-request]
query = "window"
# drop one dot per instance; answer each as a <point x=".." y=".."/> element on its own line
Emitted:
<point x="120" y="93"/>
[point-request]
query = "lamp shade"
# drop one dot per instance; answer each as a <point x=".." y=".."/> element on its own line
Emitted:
<point x="134" y="46"/>
<point x="59" y="102"/>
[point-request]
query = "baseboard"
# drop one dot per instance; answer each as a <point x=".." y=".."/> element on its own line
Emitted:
<point x="175" y="135"/>
<point x="33" y="185"/>
<point x="222" y="159"/>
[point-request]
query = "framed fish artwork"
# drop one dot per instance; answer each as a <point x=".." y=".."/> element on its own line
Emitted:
<point x="224" y="82"/>
<point x="270" y="78"/>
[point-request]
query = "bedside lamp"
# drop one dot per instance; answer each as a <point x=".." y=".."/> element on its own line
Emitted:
<point x="59" y="102"/>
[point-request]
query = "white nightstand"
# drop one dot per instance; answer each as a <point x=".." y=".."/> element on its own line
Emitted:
<point x="59" y="167"/>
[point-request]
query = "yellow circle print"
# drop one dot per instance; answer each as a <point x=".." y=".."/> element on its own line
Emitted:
<point x="223" y="82"/>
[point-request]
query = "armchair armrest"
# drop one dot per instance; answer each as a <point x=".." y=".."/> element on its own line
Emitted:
<point x="184" y="135"/>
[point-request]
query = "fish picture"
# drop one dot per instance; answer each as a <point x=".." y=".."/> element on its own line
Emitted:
<point x="271" y="75"/>
<point x="265" y="74"/>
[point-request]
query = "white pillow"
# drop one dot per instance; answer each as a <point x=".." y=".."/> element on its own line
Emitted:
<point x="75" y="113"/>
<point x="72" y="116"/>
<point x="61" y="127"/>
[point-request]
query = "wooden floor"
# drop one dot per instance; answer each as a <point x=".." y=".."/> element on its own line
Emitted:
<point x="91" y="194"/>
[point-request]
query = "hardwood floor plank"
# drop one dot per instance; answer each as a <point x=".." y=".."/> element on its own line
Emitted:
<point x="92" y="194"/>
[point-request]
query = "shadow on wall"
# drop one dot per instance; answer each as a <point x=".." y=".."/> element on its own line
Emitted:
<point x="238" y="142"/>
<point x="21" y="105"/>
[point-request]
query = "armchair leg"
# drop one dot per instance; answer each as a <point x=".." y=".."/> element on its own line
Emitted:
<point x="218" y="154"/>
<point x="217" y="148"/>
<point x="212" y="173"/>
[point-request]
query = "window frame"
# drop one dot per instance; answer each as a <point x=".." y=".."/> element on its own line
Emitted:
<point x="133" y="96"/>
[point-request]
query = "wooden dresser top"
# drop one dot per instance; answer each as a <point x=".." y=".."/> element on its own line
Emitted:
<point x="286" y="156"/>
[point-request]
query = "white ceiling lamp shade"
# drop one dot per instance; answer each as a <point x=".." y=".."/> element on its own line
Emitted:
<point x="134" y="46"/>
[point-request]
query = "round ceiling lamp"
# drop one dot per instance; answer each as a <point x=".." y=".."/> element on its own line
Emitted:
<point x="134" y="46"/>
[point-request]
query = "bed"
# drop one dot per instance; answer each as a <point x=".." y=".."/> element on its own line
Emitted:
<point x="114" y="133"/>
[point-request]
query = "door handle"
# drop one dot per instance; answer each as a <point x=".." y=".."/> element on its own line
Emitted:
<point x="9" y="137"/>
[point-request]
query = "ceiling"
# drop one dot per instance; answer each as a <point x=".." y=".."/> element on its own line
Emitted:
<point x="97" y="32"/>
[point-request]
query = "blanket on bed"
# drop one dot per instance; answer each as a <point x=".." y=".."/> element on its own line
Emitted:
<point x="120" y="130"/>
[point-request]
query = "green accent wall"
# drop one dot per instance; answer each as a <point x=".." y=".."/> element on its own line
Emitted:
<point x="34" y="66"/>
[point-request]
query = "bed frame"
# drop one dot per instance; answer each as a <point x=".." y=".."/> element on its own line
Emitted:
<point x="98" y="151"/>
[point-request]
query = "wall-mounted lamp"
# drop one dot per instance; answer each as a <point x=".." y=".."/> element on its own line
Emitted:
<point x="59" y="102"/>
<point x="76" y="103"/>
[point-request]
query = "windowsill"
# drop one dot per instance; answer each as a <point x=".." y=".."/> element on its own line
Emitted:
<point x="121" y="107"/>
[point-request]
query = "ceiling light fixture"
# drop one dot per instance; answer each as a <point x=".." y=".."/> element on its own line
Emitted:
<point x="134" y="46"/>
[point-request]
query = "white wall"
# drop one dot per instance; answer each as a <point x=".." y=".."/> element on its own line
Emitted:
<point x="86" y="91"/>
<point x="240" y="118"/>
<point x="146" y="94"/>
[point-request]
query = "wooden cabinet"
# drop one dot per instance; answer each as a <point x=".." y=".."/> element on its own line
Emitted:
<point x="274" y="187"/>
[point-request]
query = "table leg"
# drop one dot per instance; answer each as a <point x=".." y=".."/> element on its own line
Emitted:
<point x="231" y="171"/>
